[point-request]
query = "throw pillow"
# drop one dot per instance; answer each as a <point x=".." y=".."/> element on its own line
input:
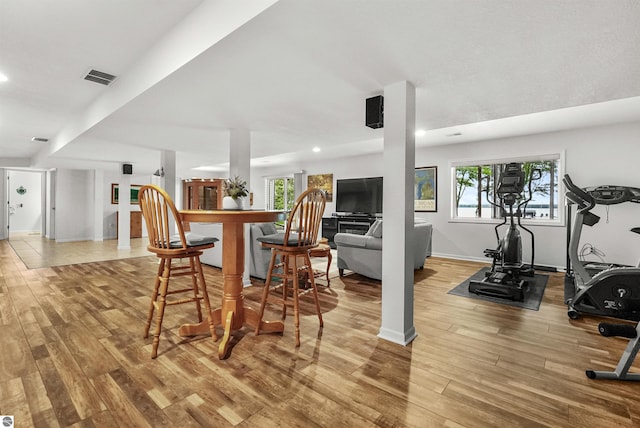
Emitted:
<point x="376" y="229"/>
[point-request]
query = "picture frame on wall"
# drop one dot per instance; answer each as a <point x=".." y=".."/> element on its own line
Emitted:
<point x="425" y="189"/>
<point x="322" y="182"/>
<point x="135" y="188"/>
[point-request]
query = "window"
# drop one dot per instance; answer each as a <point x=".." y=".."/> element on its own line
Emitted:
<point x="280" y="193"/>
<point x="474" y="189"/>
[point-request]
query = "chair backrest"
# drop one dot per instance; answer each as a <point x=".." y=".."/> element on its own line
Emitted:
<point x="161" y="218"/>
<point x="305" y="218"/>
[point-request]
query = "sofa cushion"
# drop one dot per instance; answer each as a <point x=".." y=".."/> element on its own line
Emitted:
<point x="350" y="240"/>
<point x="373" y="243"/>
<point x="375" y="230"/>
<point x="358" y="241"/>
<point x="267" y="228"/>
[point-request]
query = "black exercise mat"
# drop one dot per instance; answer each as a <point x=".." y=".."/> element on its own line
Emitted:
<point x="532" y="295"/>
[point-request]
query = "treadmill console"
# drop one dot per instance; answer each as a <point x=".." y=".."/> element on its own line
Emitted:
<point x="610" y="195"/>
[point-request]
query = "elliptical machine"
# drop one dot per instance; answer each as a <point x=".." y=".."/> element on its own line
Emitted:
<point x="611" y="290"/>
<point x="504" y="279"/>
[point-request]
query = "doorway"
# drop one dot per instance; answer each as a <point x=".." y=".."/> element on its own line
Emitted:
<point x="25" y="202"/>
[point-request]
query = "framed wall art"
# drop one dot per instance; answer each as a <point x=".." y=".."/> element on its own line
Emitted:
<point x="135" y="188"/>
<point x="322" y="182"/>
<point x="426" y="189"/>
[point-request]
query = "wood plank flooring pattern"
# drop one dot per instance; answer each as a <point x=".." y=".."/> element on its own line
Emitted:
<point x="72" y="355"/>
<point x="36" y="251"/>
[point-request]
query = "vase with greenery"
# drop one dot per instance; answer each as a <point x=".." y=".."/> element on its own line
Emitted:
<point x="234" y="190"/>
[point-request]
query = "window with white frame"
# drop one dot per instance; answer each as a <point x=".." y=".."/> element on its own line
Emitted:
<point x="280" y="193"/>
<point x="474" y="188"/>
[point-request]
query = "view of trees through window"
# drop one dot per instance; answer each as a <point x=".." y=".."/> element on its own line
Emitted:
<point x="280" y="193"/>
<point x="473" y="181"/>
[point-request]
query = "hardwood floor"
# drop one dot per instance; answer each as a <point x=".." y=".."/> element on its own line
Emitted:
<point x="72" y="354"/>
<point x="37" y="251"/>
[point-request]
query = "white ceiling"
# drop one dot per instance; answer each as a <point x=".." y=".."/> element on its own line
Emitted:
<point x="296" y="73"/>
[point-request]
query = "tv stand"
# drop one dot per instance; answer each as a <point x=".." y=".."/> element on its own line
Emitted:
<point x="347" y="223"/>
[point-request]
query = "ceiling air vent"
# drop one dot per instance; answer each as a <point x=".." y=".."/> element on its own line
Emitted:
<point x="39" y="139"/>
<point x="100" y="77"/>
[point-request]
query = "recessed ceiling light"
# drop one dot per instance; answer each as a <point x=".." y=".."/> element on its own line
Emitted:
<point x="3" y="78"/>
<point x="39" y="139"/>
<point x="421" y="133"/>
<point x="316" y="149"/>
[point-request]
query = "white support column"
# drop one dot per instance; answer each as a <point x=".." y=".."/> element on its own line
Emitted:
<point x="98" y="204"/>
<point x="299" y="184"/>
<point x="240" y="165"/>
<point x="168" y="181"/>
<point x="124" y="210"/>
<point x="397" y="251"/>
<point x="168" y="163"/>
<point x="4" y="207"/>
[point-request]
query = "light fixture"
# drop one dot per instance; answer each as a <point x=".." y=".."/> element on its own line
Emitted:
<point x="159" y="172"/>
<point x="316" y="149"/>
<point x="421" y="133"/>
<point x="3" y="78"/>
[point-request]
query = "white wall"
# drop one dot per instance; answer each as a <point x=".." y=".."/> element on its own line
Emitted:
<point x="594" y="156"/>
<point x="74" y="205"/>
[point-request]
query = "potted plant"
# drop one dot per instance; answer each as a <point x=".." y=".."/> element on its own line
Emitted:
<point x="234" y="190"/>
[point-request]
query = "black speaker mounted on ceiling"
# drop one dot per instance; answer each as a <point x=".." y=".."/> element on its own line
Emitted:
<point x="127" y="168"/>
<point x="375" y="112"/>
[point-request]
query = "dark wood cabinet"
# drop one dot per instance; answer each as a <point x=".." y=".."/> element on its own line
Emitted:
<point x="329" y="229"/>
<point x="202" y="194"/>
<point x="135" y="224"/>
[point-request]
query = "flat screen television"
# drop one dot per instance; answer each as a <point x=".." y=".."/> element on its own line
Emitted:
<point x="359" y="196"/>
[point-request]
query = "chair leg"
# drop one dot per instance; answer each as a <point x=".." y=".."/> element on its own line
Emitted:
<point x="329" y="257"/>
<point x="296" y="309"/>
<point x="285" y="285"/>
<point x="265" y="292"/>
<point x="205" y="297"/>
<point x="314" y="288"/>
<point x="154" y="297"/>
<point x="195" y="271"/>
<point x="161" y="302"/>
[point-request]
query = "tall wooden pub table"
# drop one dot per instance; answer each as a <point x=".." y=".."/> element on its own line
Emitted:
<point x="232" y="315"/>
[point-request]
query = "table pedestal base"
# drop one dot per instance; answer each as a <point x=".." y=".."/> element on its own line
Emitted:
<point x="250" y="319"/>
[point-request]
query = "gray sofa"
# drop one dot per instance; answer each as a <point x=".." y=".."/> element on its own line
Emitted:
<point x="260" y="256"/>
<point x="210" y="256"/>
<point x="363" y="253"/>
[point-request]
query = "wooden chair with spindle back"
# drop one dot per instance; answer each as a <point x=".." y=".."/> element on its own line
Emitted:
<point x="162" y="219"/>
<point x="301" y="235"/>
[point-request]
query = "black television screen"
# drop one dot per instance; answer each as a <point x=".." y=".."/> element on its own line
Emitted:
<point x="359" y="195"/>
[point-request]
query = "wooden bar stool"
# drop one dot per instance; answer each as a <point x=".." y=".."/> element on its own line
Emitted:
<point x="292" y="246"/>
<point x="161" y="216"/>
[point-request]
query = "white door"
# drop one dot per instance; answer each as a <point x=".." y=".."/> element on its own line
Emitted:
<point x="25" y="202"/>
